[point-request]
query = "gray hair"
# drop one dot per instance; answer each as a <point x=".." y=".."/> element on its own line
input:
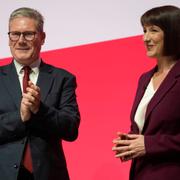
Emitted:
<point x="30" y="13"/>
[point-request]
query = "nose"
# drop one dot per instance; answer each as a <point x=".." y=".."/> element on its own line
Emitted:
<point x="146" y="37"/>
<point x="21" y="38"/>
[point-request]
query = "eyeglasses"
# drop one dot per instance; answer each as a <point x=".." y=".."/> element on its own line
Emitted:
<point x="27" y="35"/>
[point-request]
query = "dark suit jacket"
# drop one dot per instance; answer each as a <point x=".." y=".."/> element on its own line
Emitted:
<point x="58" y="118"/>
<point x="161" y="129"/>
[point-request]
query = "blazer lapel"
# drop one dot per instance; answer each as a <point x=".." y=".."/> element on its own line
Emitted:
<point x="45" y="79"/>
<point x="164" y="88"/>
<point x="11" y="81"/>
<point x="143" y="83"/>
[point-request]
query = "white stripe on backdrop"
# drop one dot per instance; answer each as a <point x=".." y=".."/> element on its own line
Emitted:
<point x="70" y="23"/>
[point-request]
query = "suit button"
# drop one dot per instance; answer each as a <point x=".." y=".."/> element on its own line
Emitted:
<point x="15" y="166"/>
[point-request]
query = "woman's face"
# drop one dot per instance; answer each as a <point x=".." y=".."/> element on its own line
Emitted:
<point x="154" y="40"/>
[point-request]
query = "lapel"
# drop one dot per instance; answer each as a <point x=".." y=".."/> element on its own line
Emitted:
<point x="162" y="91"/>
<point x="11" y="81"/>
<point x="143" y="83"/>
<point x="164" y="88"/>
<point x="45" y="79"/>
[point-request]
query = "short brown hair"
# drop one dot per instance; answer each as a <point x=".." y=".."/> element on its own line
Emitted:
<point x="30" y="13"/>
<point x="168" y="19"/>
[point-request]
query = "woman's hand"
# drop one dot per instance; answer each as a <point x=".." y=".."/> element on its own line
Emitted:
<point x="129" y="146"/>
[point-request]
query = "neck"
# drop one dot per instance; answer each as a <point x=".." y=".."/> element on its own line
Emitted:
<point x="165" y="64"/>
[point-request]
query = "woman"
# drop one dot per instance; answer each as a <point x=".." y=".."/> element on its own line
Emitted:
<point x="153" y="144"/>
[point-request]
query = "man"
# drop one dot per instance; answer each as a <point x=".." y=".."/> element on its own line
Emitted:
<point x="34" y="117"/>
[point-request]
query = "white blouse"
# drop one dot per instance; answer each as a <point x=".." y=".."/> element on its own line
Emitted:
<point x="141" y="110"/>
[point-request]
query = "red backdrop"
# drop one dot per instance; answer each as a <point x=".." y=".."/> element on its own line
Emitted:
<point x="107" y="75"/>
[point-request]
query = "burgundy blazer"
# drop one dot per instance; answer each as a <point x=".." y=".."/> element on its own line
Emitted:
<point x="161" y="129"/>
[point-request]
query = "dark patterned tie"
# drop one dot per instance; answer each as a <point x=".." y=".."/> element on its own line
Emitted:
<point x="27" y="159"/>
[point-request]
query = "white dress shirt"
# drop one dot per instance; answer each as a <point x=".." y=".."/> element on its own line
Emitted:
<point x="33" y="74"/>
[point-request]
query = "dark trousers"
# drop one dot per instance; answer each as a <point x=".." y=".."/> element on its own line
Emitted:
<point x="24" y="174"/>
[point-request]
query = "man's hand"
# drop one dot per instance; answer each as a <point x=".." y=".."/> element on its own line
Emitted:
<point x="30" y="101"/>
<point x="24" y="110"/>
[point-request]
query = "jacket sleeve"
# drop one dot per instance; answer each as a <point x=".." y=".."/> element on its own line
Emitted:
<point x="63" y="119"/>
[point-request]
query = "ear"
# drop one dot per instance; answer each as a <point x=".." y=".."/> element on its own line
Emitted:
<point x="43" y="37"/>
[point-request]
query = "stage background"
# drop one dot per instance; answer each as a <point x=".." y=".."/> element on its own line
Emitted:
<point x="100" y="41"/>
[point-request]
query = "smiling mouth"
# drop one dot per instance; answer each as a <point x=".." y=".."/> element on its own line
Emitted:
<point x="149" y="47"/>
<point x="22" y="49"/>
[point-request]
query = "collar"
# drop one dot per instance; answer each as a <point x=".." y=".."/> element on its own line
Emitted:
<point x="34" y="66"/>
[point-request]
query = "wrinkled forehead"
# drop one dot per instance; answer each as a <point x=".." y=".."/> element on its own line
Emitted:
<point x="21" y="21"/>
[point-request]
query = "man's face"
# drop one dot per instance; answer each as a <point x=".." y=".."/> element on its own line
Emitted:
<point x="25" y="51"/>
